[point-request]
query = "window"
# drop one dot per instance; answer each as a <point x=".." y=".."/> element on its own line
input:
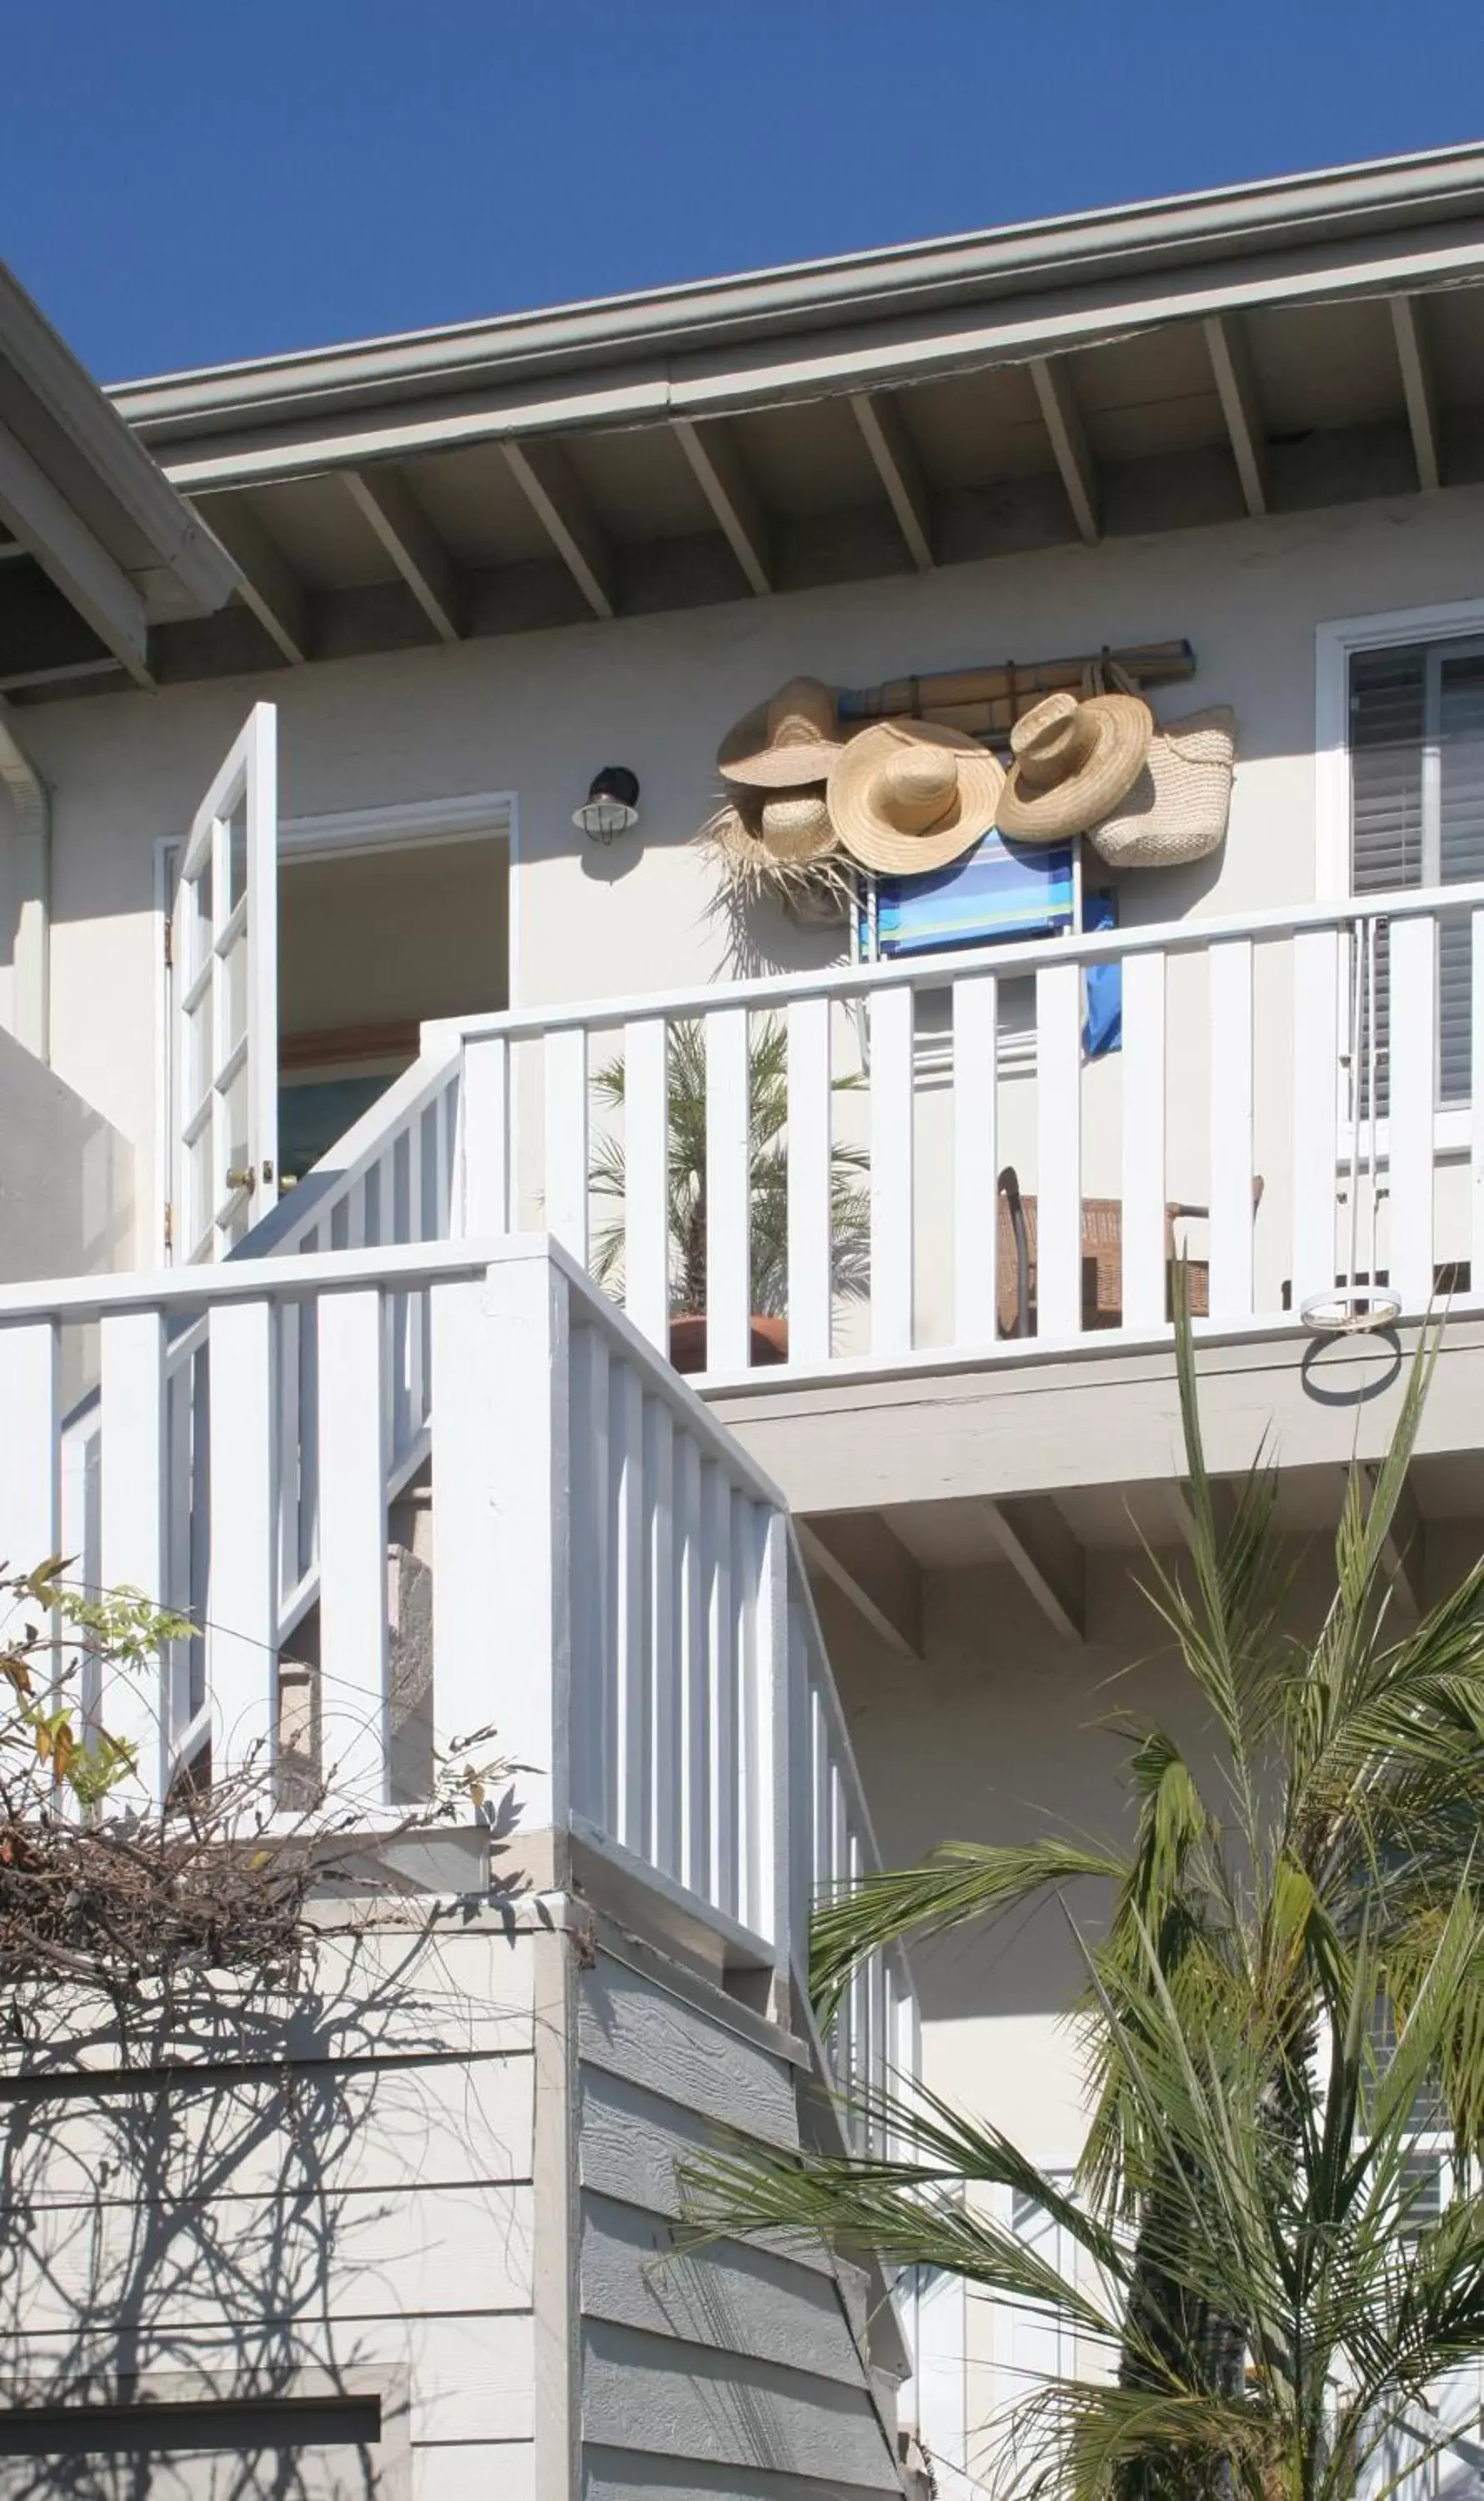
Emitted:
<point x="1416" y="745"/>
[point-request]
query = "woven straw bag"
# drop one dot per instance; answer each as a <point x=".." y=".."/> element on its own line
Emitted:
<point x="1177" y="808"/>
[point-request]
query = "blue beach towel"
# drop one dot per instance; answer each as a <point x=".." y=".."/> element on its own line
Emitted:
<point x="997" y="890"/>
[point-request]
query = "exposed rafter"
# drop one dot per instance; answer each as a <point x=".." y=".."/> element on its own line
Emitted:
<point x="866" y="1561"/>
<point x="555" y="493"/>
<point x="722" y="475"/>
<point x="1236" y="390"/>
<point x="1037" y="1543"/>
<point x="890" y="445"/>
<point x="269" y="584"/>
<point x="1062" y="419"/>
<point x="1408" y="324"/>
<point x="66" y="550"/>
<point x="413" y="546"/>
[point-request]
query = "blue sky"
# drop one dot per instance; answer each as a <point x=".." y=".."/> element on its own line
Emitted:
<point x="199" y="179"/>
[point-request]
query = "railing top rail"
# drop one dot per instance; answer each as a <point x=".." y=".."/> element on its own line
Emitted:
<point x="188" y="1289"/>
<point x="935" y="973"/>
<point x="310" y="1202"/>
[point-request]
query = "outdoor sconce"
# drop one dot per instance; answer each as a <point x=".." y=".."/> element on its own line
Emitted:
<point x="611" y="806"/>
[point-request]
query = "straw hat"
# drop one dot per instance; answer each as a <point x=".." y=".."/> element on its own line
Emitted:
<point x="908" y="796"/>
<point x="785" y="743"/>
<point x="1072" y="764"/>
<point x="785" y="828"/>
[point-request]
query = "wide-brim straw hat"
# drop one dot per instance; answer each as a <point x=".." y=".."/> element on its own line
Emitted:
<point x="908" y="796"/>
<point x="1073" y="762"/>
<point x="783" y="745"/>
<point x="786" y="829"/>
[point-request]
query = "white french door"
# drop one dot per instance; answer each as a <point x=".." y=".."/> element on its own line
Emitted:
<point x="223" y="1004"/>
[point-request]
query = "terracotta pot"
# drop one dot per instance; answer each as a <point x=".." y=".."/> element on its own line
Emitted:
<point x="767" y="1339"/>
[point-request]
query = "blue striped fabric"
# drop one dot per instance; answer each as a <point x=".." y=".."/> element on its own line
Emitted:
<point x="998" y="889"/>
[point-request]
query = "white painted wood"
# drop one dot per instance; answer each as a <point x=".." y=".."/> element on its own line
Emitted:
<point x="467" y="1403"/>
<point x="1413" y="355"/>
<point x="729" y="1191"/>
<point x="1316" y="1083"/>
<point x="530" y="1466"/>
<point x="1059" y="1151"/>
<point x="770" y="1908"/>
<point x="353" y="1666"/>
<point x="1143" y="1141"/>
<point x="388" y="502"/>
<point x="556" y="494"/>
<point x="270" y="586"/>
<point x="1412" y="1035"/>
<point x="694" y="1678"/>
<point x="1236" y="390"/>
<point x="730" y="2298"/>
<point x="646" y="1179"/>
<point x="565" y="1212"/>
<point x="729" y="2412"/>
<point x="132" y="1547"/>
<point x="897" y="464"/>
<point x="976" y="1158"/>
<point x="1231" y="1108"/>
<point x="631" y="2027"/>
<point x="628" y="1779"/>
<point x="484" y="1123"/>
<point x="242" y="1594"/>
<point x="1476" y="1105"/>
<point x="662" y="1620"/>
<point x="723" y="1766"/>
<point x="1062" y="419"/>
<point x="594" y="1702"/>
<point x="723" y="480"/>
<point x="893" y="1087"/>
<point x="810" y="1105"/>
<point x="224" y="1037"/>
<point x="30" y="1482"/>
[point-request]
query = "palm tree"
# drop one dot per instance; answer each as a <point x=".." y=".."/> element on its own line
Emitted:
<point x="1273" y="2301"/>
<point x="767" y="1126"/>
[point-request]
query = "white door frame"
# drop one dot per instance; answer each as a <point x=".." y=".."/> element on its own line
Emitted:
<point x="472" y="815"/>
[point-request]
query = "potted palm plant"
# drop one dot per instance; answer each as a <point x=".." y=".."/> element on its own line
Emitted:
<point x="767" y="1133"/>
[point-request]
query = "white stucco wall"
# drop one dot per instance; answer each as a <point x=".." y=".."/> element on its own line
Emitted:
<point x="536" y="715"/>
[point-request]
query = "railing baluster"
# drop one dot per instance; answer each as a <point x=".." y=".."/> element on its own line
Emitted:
<point x="810" y="1105"/>
<point x="625" y="1462"/>
<point x="353" y="1455"/>
<point x="646" y="1179"/>
<point x="694" y="1736"/>
<point x="132" y="1553"/>
<point x="1230" y="1202"/>
<point x="722" y="1699"/>
<point x="892" y="1171"/>
<point x="1143" y="1141"/>
<point x="976" y="1158"/>
<point x="484" y="1137"/>
<point x="566" y="1140"/>
<point x="242" y="1581"/>
<point x="31" y="1459"/>
<point x="1412" y="1038"/>
<point x="662" y="1565"/>
<point x="1059" y="1151"/>
<point x="1476" y="1105"/>
<point x="1316" y="1103"/>
<point x="729" y="1191"/>
<point x="593" y="1650"/>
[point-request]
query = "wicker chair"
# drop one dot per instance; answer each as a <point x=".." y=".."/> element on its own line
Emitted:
<point x="1102" y="1260"/>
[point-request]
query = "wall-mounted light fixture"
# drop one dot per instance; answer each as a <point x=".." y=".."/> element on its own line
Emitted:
<point x="611" y="806"/>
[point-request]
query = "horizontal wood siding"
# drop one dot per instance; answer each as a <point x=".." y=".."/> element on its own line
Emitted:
<point x="735" y="2361"/>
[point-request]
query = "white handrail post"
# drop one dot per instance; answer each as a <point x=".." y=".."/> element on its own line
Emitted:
<point x="484" y="1158"/>
<point x="503" y="1506"/>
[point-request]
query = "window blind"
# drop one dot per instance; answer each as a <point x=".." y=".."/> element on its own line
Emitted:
<point x="1417" y="811"/>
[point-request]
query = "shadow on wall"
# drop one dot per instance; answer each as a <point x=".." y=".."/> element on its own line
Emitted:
<point x="66" y="1177"/>
<point x="211" y="2240"/>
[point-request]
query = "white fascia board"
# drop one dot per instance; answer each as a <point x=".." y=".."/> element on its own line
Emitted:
<point x="66" y="394"/>
<point x="754" y="374"/>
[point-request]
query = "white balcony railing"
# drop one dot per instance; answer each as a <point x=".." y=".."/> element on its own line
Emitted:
<point x="1225" y="1128"/>
<point x="613" y="1583"/>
